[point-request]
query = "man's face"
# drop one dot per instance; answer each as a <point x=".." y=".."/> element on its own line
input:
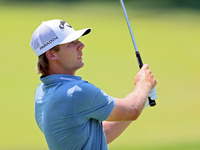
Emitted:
<point x="69" y="57"/>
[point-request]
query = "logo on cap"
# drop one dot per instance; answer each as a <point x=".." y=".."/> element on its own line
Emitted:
<point x="48" y="42"/>
<point x="62" y="24"/>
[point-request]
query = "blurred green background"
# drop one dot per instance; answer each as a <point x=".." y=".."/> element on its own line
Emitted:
<point x="167" y="34"/>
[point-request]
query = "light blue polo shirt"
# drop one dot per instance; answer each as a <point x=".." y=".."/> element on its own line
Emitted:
<point x="69" y="111"/>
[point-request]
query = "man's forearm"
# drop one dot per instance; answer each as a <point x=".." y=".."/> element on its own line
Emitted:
<point x="138" y="97"/>
<point x="114" y="129"/>
<point x="130" y="107"/>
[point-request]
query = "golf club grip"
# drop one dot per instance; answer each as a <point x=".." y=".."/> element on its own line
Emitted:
<point x="151" y="102"/>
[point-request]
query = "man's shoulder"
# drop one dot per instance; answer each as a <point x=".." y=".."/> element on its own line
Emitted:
<point x="81" y="87"/>
<point x="87" y="86"/>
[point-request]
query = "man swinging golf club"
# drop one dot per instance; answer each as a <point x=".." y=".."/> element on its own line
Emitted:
<point x="73" y="113"/>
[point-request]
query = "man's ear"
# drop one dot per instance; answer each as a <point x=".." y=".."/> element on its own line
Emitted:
<point x="50" y="55"/>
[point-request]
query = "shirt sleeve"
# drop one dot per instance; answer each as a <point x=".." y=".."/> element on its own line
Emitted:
<point x="91" y="102"/>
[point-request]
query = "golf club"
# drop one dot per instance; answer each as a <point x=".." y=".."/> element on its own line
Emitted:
<point x="151" y="102"/>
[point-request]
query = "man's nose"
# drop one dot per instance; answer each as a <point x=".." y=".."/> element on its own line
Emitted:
<point x="81" y="46"/>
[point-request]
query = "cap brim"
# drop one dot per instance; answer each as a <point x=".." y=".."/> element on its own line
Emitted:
<point x="76" y="35"/>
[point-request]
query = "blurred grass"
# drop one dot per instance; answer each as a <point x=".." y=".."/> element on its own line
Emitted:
<point x="168" y="41"/>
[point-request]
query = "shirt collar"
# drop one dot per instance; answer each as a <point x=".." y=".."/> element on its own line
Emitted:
<point x="58" y="78"/>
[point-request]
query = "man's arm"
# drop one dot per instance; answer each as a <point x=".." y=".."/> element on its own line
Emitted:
<point x="113" y="129"/>
<point x="130" y="107"/>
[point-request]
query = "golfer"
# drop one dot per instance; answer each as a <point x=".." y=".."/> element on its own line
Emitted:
<point x="72" y="113"/>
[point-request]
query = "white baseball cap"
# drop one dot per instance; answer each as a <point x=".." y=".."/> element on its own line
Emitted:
<point x="54" y="32"/>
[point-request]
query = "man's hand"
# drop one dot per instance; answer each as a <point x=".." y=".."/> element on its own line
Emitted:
<point x="145" y="78"/>
<point x="153" y="95"/>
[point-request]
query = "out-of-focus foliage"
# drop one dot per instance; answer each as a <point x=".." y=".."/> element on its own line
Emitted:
<point x="192" y="4"/>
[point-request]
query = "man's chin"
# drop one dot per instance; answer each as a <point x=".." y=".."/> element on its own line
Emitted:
<point x="81" y="65"/>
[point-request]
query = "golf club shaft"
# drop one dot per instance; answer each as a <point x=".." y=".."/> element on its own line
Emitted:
<point x="151" y="102"/>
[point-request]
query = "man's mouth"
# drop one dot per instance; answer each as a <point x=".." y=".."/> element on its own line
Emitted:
<point x="80" y="57"/>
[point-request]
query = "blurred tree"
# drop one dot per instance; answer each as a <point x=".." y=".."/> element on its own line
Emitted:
<point x="192" y="4"/>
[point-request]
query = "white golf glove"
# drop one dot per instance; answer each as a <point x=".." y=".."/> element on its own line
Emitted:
<point x="153" y="95"/>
